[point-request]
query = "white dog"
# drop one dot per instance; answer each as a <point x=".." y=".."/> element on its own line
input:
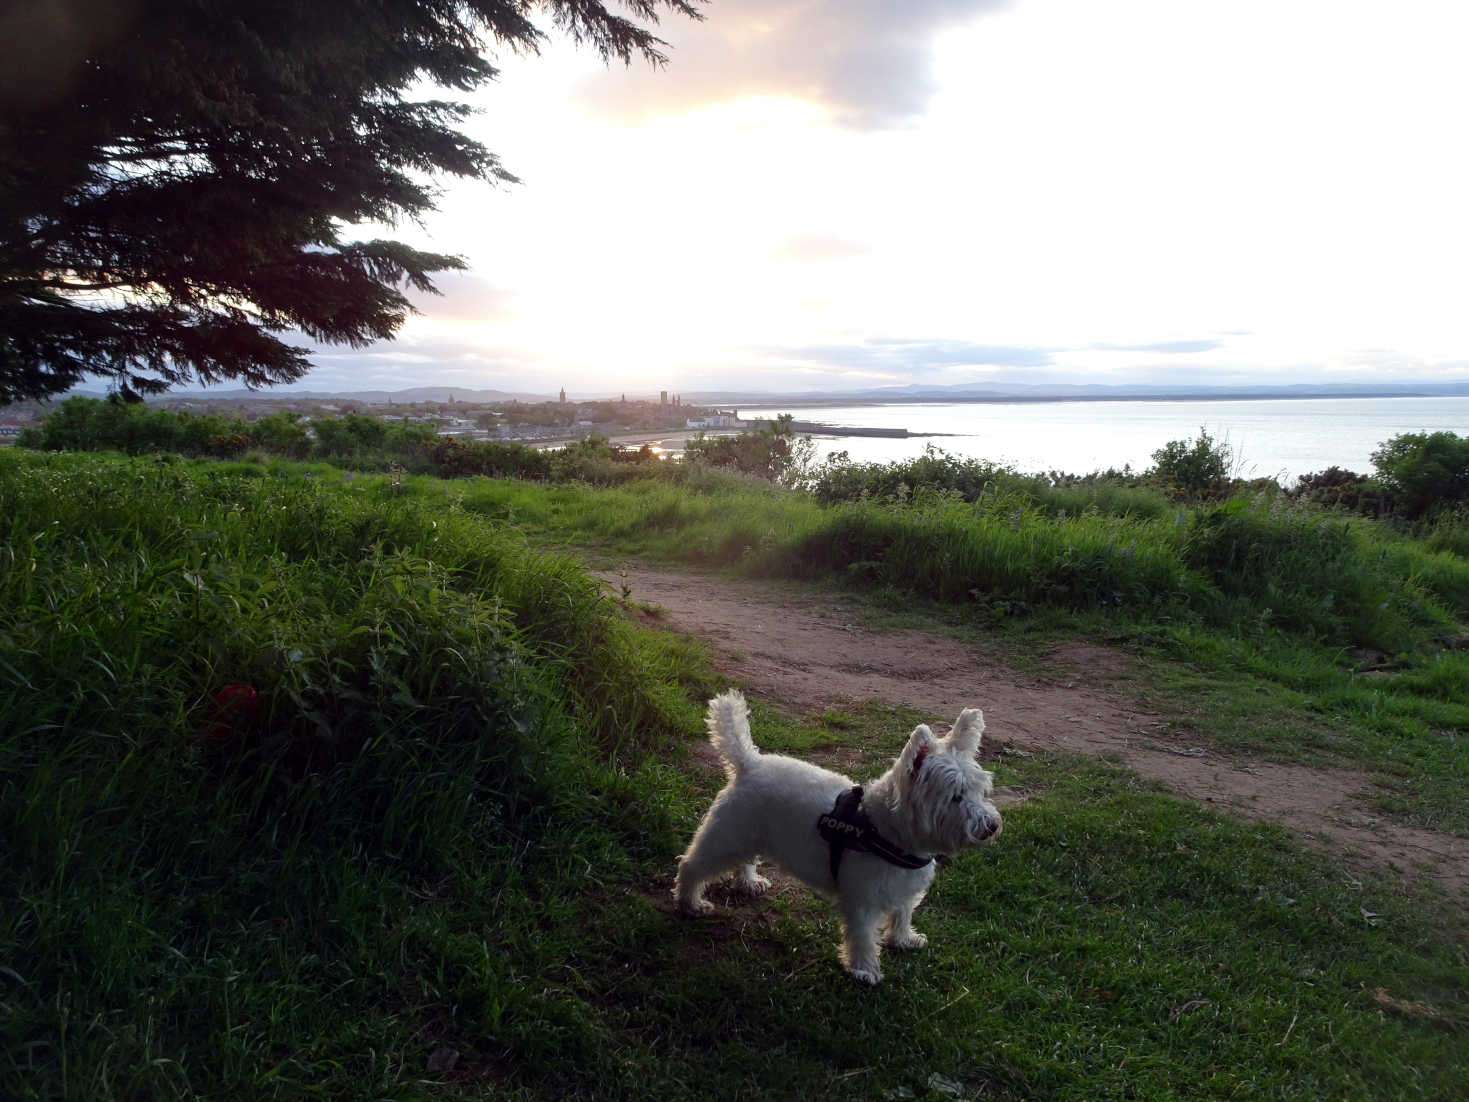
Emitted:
<point x="870" y="849"/>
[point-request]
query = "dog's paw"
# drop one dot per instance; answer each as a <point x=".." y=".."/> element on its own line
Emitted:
<point x="869" y="974"/>
<point x="698" y="908"/>
<point x="911" y="940"/>
<point x="753" y="885"/>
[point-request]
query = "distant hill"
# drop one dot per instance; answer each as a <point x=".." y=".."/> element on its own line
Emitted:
<point x="913" y="392"/>
<point x="467" y="395"/>
<point x="1081" y="392"/>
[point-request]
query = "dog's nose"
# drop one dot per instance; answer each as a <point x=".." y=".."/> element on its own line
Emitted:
<point x="990" y="829"/>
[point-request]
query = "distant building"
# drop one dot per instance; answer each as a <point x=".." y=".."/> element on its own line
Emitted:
<point x="663" y="397"/>
<point x="563" y="396"/>
<point x="719" y="419"/>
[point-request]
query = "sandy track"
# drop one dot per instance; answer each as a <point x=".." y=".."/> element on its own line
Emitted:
<point x="810" y="653"/>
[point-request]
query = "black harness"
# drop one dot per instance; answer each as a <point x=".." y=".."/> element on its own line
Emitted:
<point x="846" y="826"/>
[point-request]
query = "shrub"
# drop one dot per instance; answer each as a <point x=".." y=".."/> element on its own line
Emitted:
<point x="1339" y="488"/>
<point x="92" y="424"/>
<point x="839" y="480"/>
<point x="282" y="433"/>
<point x="1198" y="468"/>
<point x="1311" y="572"/>
<point x="349" y="436"/>
<point x="993" y="486"/>
<point x="1424" y="471"/>
<point x="447" y="457"/>
<point x="773" y="452"/>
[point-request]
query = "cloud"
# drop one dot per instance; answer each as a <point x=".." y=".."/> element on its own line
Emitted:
<point x="418" y="358"/>
<point x="1169" y="347"/>
<point x="896" y="356"/>
<point x="868" y="62"/>
<point x="462" y="297"/>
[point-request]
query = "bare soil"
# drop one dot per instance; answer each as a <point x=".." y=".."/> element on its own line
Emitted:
<point x="808" y="653"/>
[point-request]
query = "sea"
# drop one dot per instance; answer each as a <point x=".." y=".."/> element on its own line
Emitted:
<point x="1267" y="438"/>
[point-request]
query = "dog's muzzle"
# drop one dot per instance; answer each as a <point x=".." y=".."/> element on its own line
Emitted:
<point x="989" y="829"/>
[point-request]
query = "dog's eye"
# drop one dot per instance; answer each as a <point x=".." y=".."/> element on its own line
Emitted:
<point x="957" y="798"/>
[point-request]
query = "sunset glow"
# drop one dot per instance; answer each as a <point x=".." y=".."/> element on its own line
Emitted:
<point x="833" y="196"/>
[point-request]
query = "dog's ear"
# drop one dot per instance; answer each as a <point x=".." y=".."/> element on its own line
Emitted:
<point x="967" y="731"/>
<point x="910" y="761"/>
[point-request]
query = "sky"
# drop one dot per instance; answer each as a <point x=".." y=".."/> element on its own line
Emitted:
<point x="846" y="194"/>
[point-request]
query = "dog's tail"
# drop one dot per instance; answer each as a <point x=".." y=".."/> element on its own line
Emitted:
<point x="728" y="721"/>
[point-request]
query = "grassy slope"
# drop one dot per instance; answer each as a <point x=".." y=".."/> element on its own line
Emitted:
<point x="448" y="723"/>
<point x="1257" y="617"/>
<point x="451" y="823"/>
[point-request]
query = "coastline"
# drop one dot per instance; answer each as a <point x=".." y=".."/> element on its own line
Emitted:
<point x="666" y="439"/>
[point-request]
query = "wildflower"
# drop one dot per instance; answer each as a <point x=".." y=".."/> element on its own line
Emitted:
<point x="234" y="705"/>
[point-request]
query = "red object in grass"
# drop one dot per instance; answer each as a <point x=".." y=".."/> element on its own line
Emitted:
<point x="233" y="704"/>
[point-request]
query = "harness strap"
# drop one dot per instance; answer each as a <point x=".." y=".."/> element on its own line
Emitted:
<point x="846" y="826"/>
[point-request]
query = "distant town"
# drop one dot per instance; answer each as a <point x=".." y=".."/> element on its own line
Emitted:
<point x="538" y="418"/>
<point x="476" y="419"/>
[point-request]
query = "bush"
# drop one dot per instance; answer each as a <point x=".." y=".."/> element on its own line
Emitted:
<point x="773" y="452"/>
<point x="1309" y="572"/>
<point x="1424" y="471"/>
<point x="993" y="486"/>
<point x="92" y="424"/>
<point x="447" y="457"/>
<point x="1339" y="489"/>
<point x="1198" y="469"/>
<point x="839" y="480"/>
<point x="345" y="437"/>
<point x="282" y="433"/>
<point x="1450" y="532"/>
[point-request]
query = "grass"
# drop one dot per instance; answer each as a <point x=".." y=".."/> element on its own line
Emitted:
<point x="432" y="861"/>
<point x="1245" y="566"/>
<point x="209" y="898"/>
<point x="1116" y="943"/>
<point x="1254" y="618"/>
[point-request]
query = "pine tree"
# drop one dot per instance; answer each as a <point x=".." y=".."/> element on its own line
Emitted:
<point x="177" y="176"/>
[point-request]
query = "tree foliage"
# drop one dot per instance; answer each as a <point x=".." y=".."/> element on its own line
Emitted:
<point x="1194" y="468"/>
<point x="1424" y="471"/>
<point x="773" y="451"/>
<point x="177" y="177"/>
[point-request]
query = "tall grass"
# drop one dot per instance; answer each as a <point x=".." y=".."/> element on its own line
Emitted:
<point x="1114" y="493"/>
<point x="1338" y="580"/>
<point x="197" y="878"/>
<point x="1245" y="565"/>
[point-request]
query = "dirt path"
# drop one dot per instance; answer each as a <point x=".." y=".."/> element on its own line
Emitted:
<point x="809" y="653"/>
